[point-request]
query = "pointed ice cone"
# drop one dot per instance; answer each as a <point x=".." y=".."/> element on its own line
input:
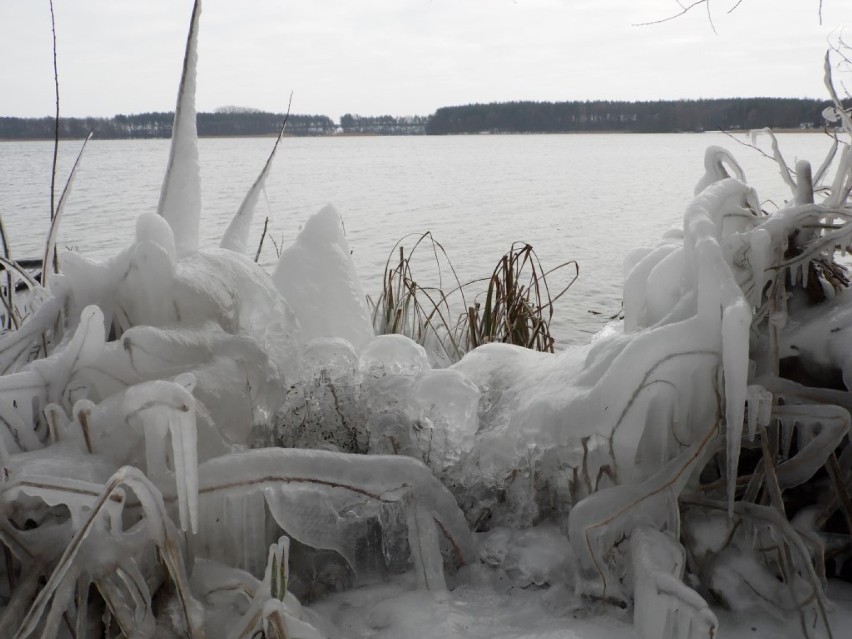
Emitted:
<point x="317" y="278"/>
<point x="180" y="196"/>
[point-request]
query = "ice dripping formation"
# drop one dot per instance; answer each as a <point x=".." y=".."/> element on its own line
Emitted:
<point x="176" y="426"/>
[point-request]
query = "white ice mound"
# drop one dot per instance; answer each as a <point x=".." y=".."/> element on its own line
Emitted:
<point x="392" y="354"/>
<point x="317" y="277"/>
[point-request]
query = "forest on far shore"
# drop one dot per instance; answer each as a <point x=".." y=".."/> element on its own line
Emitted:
<point x="662" y="116"/>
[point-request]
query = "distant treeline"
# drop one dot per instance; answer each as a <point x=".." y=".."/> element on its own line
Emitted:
<point x="159" y="125"/>
<point x="662" y="116"/>
<point x="497" y="117"/>
<point x="383" y="124"/>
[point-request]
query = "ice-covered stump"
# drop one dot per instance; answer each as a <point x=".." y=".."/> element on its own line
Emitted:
<point x="317" y="277"/>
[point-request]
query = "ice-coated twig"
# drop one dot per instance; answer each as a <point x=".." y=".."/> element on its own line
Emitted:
<point x="50" y="259"/>
<point x="600" y="521"/>
<point x="821" y="430"/>
<point x="161" y="531"/>
<point x="375" y="477"/>
<point x="236" y="235"/>
<point x="272" y="608"/>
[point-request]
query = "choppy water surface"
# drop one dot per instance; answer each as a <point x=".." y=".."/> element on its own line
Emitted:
<point x="589" y="198"/>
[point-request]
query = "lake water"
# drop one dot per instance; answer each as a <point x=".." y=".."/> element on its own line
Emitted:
<point x="589" y="198"/>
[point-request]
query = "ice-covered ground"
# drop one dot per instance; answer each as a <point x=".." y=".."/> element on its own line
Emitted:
<point x="392" y="610"/>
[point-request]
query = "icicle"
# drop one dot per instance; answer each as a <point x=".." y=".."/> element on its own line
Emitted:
<point x="168" y="408"/>
<point x="245" y="518"/>
<point x="425" y="549"/>
<point x="185" y="446"/>
<point x="736" y="321"/>
<point x="180" y="196"/>
<point x="761" y="242"/>
<point x="57" y="421"/>
<point x="759" y="408"/>
<point x="805" y="185"/>
<point x="236" y="237"/>
<point x="277" y="575"/>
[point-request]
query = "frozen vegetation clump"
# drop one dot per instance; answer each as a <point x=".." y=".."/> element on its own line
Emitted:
<point x="188" y="443"/>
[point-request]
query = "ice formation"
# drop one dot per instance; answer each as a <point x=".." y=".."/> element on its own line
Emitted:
<point x="317" y="278"/>
<point x="180" y="196"/>
<point x="187" y="442"/>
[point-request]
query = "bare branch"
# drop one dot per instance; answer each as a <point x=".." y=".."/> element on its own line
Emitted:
<point x="262" y="235"/>
<point x="732" y="9"/>
<point x="684" y="10"/>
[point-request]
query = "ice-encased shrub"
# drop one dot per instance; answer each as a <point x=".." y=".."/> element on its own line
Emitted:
<point x="692" y="442"/>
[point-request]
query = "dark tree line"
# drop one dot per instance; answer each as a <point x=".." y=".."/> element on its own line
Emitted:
<point x="383" y="124"/>
<point x="159" y="125"/>
<point x="662" y="116"/>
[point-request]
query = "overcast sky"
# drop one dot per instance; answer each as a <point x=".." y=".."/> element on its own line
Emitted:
<point x="406" y="56"/>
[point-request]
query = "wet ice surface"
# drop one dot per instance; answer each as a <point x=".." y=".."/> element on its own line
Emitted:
<point x="476" y="612"/>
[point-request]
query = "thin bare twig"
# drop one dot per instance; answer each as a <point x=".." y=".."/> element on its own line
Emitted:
<point x="684" y="10"/>
<point x="8" y="298"/>
<point x="262" y="235"/>
<point x="56" y="136"/>
<point x="748" y="145"/>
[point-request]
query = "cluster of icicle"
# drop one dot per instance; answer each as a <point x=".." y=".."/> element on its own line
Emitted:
<point x="173" y="419"/>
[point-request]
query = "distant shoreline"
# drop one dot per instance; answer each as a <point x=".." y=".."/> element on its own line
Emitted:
<point x="420" y="135"/>
<point x="495" y="118"/>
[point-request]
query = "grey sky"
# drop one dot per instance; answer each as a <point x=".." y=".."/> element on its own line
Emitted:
<point x="406" y="56"/>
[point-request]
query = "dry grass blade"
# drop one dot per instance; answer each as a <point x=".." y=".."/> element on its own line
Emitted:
<point x="518" y="306"/>
<point x="421" y="313"/>
<point x="8" y="299"/>
<point x="518" y="303"/>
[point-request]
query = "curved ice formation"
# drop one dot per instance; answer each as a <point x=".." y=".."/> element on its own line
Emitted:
<point x="236" y="236"/>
